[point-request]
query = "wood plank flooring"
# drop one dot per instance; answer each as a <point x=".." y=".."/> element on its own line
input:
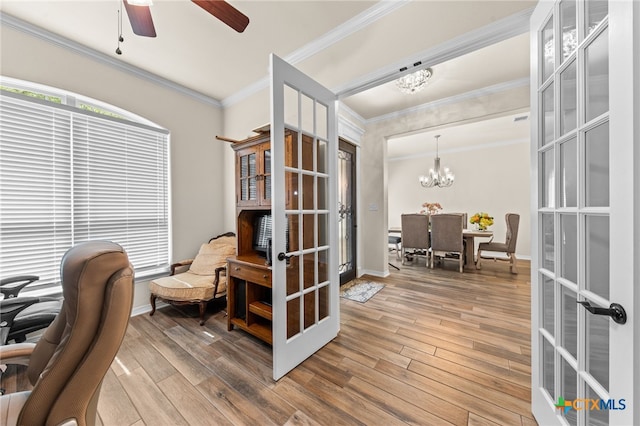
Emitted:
<point x="434" y="347"/>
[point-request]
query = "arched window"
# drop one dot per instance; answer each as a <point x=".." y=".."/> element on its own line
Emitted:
<point x="74" y="169"/>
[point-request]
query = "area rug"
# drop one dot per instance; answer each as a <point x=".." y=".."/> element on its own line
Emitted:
<point x="360" y="290"/>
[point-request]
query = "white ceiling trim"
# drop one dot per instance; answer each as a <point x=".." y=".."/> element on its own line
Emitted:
<point x="357" y="23"/>
<point x="431" y="154"/>
<point x="505" y="28"/>
<point x="41" y="33"/>
<point x="484" y="91"/>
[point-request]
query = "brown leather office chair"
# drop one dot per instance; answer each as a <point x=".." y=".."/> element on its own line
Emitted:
<point x="415" y="236"/>
<point x="67" y="365"/>
<point x="447" y="241"/>
<point x="508" y="247"/>
<point x="31" y="313"/>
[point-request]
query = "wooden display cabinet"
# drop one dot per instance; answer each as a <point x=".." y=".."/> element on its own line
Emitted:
<point x="249" y="296"/>
<point x="249" y="277"/>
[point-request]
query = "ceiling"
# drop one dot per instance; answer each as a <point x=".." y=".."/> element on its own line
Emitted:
<point x="342" y="44"/>
<point x="494" y="131"/>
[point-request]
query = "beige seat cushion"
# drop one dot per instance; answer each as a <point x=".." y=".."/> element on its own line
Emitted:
<point x="187" y="287"/>
<point x="213" y="255"/>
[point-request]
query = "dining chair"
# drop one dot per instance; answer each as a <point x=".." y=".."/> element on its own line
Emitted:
<point x="395" y="240"/>
<point x="415" y="236"/>
<point x="508" y="246"/>
<point x="447" y="241"/>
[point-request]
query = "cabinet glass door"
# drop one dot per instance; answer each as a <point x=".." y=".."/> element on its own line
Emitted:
<point x="248" y="177"/>
<point x="583" y="239"/>
<point x="265" y="177"/>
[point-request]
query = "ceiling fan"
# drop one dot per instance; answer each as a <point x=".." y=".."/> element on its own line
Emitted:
<point x="139" y="14"/>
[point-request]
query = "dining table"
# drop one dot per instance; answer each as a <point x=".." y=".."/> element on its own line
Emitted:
<point x="470" y="235"/>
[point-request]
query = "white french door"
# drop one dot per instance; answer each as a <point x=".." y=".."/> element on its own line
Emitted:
<point x="304" y="206"/>
<point x="584" y="104"/>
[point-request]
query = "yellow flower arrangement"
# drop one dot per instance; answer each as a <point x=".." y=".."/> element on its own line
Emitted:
<point x="482" y="219"/>
<point x="431" y="208"/>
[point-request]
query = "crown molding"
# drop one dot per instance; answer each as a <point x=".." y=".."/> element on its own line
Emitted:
<point x="358" y="22"/>
<point x="503" y="29"/>
<point x="356" y="118"/>
<point x="484" y="91"/>
<point x="350" y="131"/>
<point x="58" y="40"/>
<point x="355" y="24"/>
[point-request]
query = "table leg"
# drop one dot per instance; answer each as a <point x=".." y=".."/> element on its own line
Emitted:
<point x="469" y="256"/>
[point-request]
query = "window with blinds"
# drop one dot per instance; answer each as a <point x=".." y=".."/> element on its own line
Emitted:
<point x="69" y="175"/>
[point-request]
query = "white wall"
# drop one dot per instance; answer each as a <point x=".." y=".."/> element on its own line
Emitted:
<point x="488" y="178"/>
<point x="197" y="167"/>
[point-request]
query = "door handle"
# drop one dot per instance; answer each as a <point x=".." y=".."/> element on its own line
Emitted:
<point x="615" y="311"/>
<point x="282" y="256"/>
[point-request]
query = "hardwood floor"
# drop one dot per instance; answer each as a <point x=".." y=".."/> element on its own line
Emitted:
<point x="433" y="347"/>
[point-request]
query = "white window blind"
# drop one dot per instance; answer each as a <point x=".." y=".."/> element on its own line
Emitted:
<point x="68" y="176"/>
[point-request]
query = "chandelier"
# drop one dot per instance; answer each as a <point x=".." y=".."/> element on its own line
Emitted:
<point x="414" y="82"/>
<point x="437" y="176"/>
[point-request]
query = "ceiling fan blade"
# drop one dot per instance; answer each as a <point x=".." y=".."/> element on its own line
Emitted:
<point x="225" y="12"/>
<point x="140" y="18"/>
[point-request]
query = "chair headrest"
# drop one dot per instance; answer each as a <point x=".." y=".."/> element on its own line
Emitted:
<point x="86" y="268"/>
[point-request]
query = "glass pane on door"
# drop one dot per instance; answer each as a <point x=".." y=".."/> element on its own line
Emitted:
<point x="548" y="367"/>
<point x="568" y="24"/>
<point x="569" y="391"/>
<point x="547" y="186"/>
<point x="596" y="417"/>
<point x="569" y="321"/>
<point x="597" y="166"/>
<point x="548" y="304"/>
<point x="569" y="173"/>
<point x="597" y="76"/>
<point x="597" y="347"/>
<point x="568" y="101"/>
<point x="597" y="255"/>
<point x="569" y="247"/>
<point x="595" y="11"/>
<point x="547" y="242"/>
<point x="547" y="58"/>
<point x="548" y="113"/>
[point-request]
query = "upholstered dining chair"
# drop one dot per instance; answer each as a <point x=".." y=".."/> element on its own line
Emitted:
<point x="205" y="279"/>
<point x="67" y="365"/>
<point x="447" y="241"/>
<point x="395" y="240"/>
<point x="508" y="246"/>
<point x="415" y="236"/>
